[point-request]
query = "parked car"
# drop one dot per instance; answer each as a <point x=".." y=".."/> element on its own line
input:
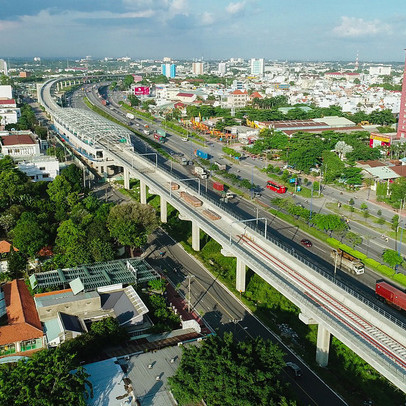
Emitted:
<point x="306" y="243"/>
<point x="295" y="368"/>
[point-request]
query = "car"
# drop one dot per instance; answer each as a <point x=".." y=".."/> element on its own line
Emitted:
<point x="295" y="368"/>
<point x="306" y="243"/>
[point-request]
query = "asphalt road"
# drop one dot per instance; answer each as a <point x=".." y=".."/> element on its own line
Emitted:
<point x="225" y="313"/>
<point x="319" y="254"/>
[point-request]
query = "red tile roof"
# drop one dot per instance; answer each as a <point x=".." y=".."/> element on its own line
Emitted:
<point x="256" y="95"/>
<point x="5" y="247"/>
<point x="22" y="139"/>
<point x="54" y="292"/>
<point x="185" y="94"/>
<point x="8" y="101"/>
<point x="238" y="91"/>
<point x="23" y="319"/>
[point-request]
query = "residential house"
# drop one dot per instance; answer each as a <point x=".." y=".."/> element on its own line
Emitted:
<point x="23" y="332"/>
<point x="5" y="248"/>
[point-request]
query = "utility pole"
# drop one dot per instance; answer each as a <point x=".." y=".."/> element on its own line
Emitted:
<point x="189" y="277"/>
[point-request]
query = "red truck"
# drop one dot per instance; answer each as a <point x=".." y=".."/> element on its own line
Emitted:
<point x="391" y="295"/>
<point x="218" y="186"/>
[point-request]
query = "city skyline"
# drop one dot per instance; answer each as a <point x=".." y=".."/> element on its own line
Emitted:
<point x="213" y="29"/>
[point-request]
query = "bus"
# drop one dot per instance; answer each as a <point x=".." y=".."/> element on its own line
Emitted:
<point x="275" y="187"/>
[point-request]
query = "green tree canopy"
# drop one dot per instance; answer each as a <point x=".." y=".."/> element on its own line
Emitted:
<point x="47" y="378"/>
<point x="130" y="223"/>
<point x="222" y="370"/>
<point x="28" y="234"/>
<point x="392" y="258"/>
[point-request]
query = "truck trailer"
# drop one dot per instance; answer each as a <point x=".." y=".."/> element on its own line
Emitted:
<point x="130" y="116"/>
<point x="347" y="261"/>
<point x="201" y="154"/>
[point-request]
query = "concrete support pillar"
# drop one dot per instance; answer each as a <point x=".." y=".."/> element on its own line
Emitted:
<point x="143" y="192"/>
<point x="323" y="346"/>
<point x="126" y="179"/>
<point x="240" y="275"/>
<point x="195" y="236"/>
<point x="164" y="210"/>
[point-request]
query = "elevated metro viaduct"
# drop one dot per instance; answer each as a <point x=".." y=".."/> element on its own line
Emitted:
<point x="375" y="336"/>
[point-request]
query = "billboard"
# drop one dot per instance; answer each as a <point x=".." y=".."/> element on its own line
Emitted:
<point x="141" y="90"/>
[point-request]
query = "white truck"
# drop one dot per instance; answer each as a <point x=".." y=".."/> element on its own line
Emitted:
<point x="347" y="261"/>
<point x="130" y="116"/>
<point x="222" y="167"/>
<point x="200" y="172"/>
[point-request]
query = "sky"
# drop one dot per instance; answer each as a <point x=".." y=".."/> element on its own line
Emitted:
<point x="307" y="30"/>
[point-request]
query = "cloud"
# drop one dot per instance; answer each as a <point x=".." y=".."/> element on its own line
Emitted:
<point x="234" y="8"/>
<point x="352" y="27"/>
<point x="207" y="18"/>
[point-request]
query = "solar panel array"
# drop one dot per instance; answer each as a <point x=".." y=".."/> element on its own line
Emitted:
<point x="93" y="276"/>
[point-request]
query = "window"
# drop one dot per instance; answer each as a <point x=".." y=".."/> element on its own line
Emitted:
<point x="7" y="349"/>
<point x="42" y="168"/>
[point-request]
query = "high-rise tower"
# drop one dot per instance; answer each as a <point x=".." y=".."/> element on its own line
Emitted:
<point x="402" y="113"/>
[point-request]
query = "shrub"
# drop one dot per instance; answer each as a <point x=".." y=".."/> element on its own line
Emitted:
<point x="333" y="242"/>
<point x="400" y="277"/>
<point x="371" y="262"/>
<point x="385" y="270"/>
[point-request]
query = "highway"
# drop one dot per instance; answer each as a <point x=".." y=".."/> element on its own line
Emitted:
<point x="282" y="267"/>
<point x="225" y="313"/>
<point x="319" y="253"/>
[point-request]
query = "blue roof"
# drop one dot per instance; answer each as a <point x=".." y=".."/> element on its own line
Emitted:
<point x="52" y="329"/>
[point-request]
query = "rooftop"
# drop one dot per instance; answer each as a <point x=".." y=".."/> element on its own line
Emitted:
<point x="107" y="381"/>
<point x="7" y="101"/>
<point x="5" y="247"/>
<point x="93" y="276"/>
<point x="15" y="139"/>
<point x="23" y="319"/>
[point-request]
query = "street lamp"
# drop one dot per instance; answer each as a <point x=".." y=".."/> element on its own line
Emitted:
<point x="335" y="265"/>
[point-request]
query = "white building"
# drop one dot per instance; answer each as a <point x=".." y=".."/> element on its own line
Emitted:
<point x="6" y="91"/>
<point x="222" y="69"/>
<point x="39" y="168"/>
<point x="19" y="144"/>
<point x="3" y="67"/>
<point x="9" y="116"/>
<point x="380" y="70"/>
<point x="257" y="67"/>
<point x="197" y="68"/>
<point x="237" y="99"/>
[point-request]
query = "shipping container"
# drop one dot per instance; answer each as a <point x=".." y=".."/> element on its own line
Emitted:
<point x="162" y="133"/>
<point x="391" y="294"/>
<point x="158" y="137"/>
<point x="218" y="186"/>
<point x="201" y="154"/>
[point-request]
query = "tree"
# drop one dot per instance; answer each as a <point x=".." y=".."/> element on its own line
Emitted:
<point x="128" y="81"/>
<point x="353" y="238"/>
<point x="329" y="222"/>
<point x="332" y="166"/>
<point x="221" y="370"/>
<point x="17" y="264"/>
<point x="101" y="251"/>
<point x="395" y="222"/>
<point x="392" y="258"/>
<point x="28" y="235"/>
<point x="130" y="223"/>
<point x="134" y="100"/>
<point x="72" y="245"/>
<point x="13" y="184"/>
<point x="48" y="377"/>
<point x="343" y="149"/>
